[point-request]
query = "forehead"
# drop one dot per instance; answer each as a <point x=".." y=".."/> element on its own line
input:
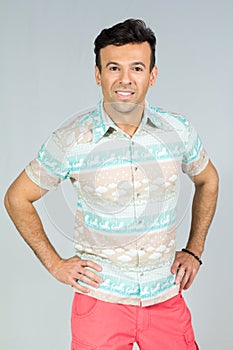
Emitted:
<point x="127" y="53"/>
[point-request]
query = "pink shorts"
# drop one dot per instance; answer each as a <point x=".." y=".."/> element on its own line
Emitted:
<point x="100" y="325"/>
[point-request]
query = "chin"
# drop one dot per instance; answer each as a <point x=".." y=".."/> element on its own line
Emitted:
<point x="124" y="106"/>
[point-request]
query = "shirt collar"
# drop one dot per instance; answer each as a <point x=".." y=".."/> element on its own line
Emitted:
<point x="154" y="115"/>
<point x="102" y="122"/>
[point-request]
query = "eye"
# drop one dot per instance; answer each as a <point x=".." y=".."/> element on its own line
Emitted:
<point x="114" y="68"/>
<point x="138" y="69"/>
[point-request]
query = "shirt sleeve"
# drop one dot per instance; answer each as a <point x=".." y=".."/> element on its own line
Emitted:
<point x="50" y="167"/>
<point x="195" y="157"/>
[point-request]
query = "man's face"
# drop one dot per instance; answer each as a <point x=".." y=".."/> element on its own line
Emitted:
<point x="125" y="75"/>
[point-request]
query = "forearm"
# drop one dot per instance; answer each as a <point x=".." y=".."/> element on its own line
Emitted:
<point x="29" y="225"/>
<point x="18" y="202"/>
<point x="203" y="209"/>
<point x="186" y="266"/>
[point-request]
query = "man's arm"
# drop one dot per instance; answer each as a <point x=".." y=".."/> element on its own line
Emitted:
<point x="19" y="205"/>
<point x="203" y="209"/>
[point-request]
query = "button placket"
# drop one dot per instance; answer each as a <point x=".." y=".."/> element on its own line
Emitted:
<point x="141" y="253"/>
<point x="135" y="169"/>
<point x="131" y="146"/>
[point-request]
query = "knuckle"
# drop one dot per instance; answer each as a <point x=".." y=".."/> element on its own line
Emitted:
<point x="82" y="271"/>
<point x="79" y="262"/>
<point x="81" y="277"/>
<point x="90" y="264"/>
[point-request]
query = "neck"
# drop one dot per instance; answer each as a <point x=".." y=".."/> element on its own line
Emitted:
<point x="126" y="116"/>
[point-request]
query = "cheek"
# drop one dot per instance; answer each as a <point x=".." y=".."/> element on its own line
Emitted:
<point x="107" y="83"/>
<point x="144" y="86"/>
<point x="144" y="82"/>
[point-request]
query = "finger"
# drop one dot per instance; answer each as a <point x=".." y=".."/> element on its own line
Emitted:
<point x="91" y="275"/>
<point x="87" y="280"/>
<point x="175" y="267"/>
<point x="92" y="264"/>
<point x="180" y="275"/>
<point x="78" y="286"/>
<point x="189" y="282"/>
<point x="87" y="271"/>
<point x="185" y="279"/>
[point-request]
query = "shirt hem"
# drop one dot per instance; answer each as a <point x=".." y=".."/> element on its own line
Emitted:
<point x="101" y="295"/>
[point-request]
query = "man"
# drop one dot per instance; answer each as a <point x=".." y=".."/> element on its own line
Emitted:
<point x="123" y="158"/>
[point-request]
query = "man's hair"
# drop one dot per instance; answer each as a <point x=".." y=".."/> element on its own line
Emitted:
<point x="130" y="31"/>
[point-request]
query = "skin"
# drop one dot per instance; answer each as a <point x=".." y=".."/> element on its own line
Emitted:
<point x="203" y="208"/>
<point x="19" y="204"/>
<point x="124" y="69"/>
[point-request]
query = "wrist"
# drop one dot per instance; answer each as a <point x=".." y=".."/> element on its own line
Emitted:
<point x="52" y="268"/>
<point x="196" y="249"/>
<point x="192" y="254"/>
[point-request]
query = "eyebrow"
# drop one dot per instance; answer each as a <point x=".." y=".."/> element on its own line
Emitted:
<point x="132" y="64"/>
<point x="138" y="64"/>
<point x="111" y="62"/>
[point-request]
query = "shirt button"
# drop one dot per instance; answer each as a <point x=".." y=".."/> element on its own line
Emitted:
<point x="142" y="248"/>
<point x="132" y="143"/>
<point x="141" y="274"/>
<point x="136" y="168"/>
<point x="138" y="194"/>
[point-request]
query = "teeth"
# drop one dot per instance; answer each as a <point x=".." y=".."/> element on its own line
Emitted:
<point x="124" y="93"/>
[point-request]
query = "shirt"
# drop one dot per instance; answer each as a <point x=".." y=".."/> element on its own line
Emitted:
<point x="127" y="190"/>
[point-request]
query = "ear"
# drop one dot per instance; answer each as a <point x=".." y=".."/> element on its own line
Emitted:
<point x="97" y="75"/>
<point x="153" y="76"/>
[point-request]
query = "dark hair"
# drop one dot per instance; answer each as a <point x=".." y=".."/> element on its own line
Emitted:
<point x="129" y="31"/>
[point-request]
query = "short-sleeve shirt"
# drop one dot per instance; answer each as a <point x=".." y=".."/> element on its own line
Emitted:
<point x="126" y="190"/>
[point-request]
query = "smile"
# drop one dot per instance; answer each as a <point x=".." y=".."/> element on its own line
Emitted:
<point x="125" y="93"/>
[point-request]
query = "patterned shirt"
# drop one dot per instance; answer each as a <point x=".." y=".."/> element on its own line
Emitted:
<point x="127" y="191"/>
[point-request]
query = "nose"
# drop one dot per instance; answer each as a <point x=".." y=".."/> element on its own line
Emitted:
<point x="125" y="77"/>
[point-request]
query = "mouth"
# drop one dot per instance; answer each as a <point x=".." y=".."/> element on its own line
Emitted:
<point x="124" y="94"/>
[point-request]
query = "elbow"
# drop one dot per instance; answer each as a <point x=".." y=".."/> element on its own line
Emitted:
<point x="7" y="202"/>
<point x="11" y="200"/>
<point x="208" y="179"/>
<point x="212" y="185"/>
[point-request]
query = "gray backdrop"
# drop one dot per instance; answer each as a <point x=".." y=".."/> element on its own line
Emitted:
<point x="46" y="76"/>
